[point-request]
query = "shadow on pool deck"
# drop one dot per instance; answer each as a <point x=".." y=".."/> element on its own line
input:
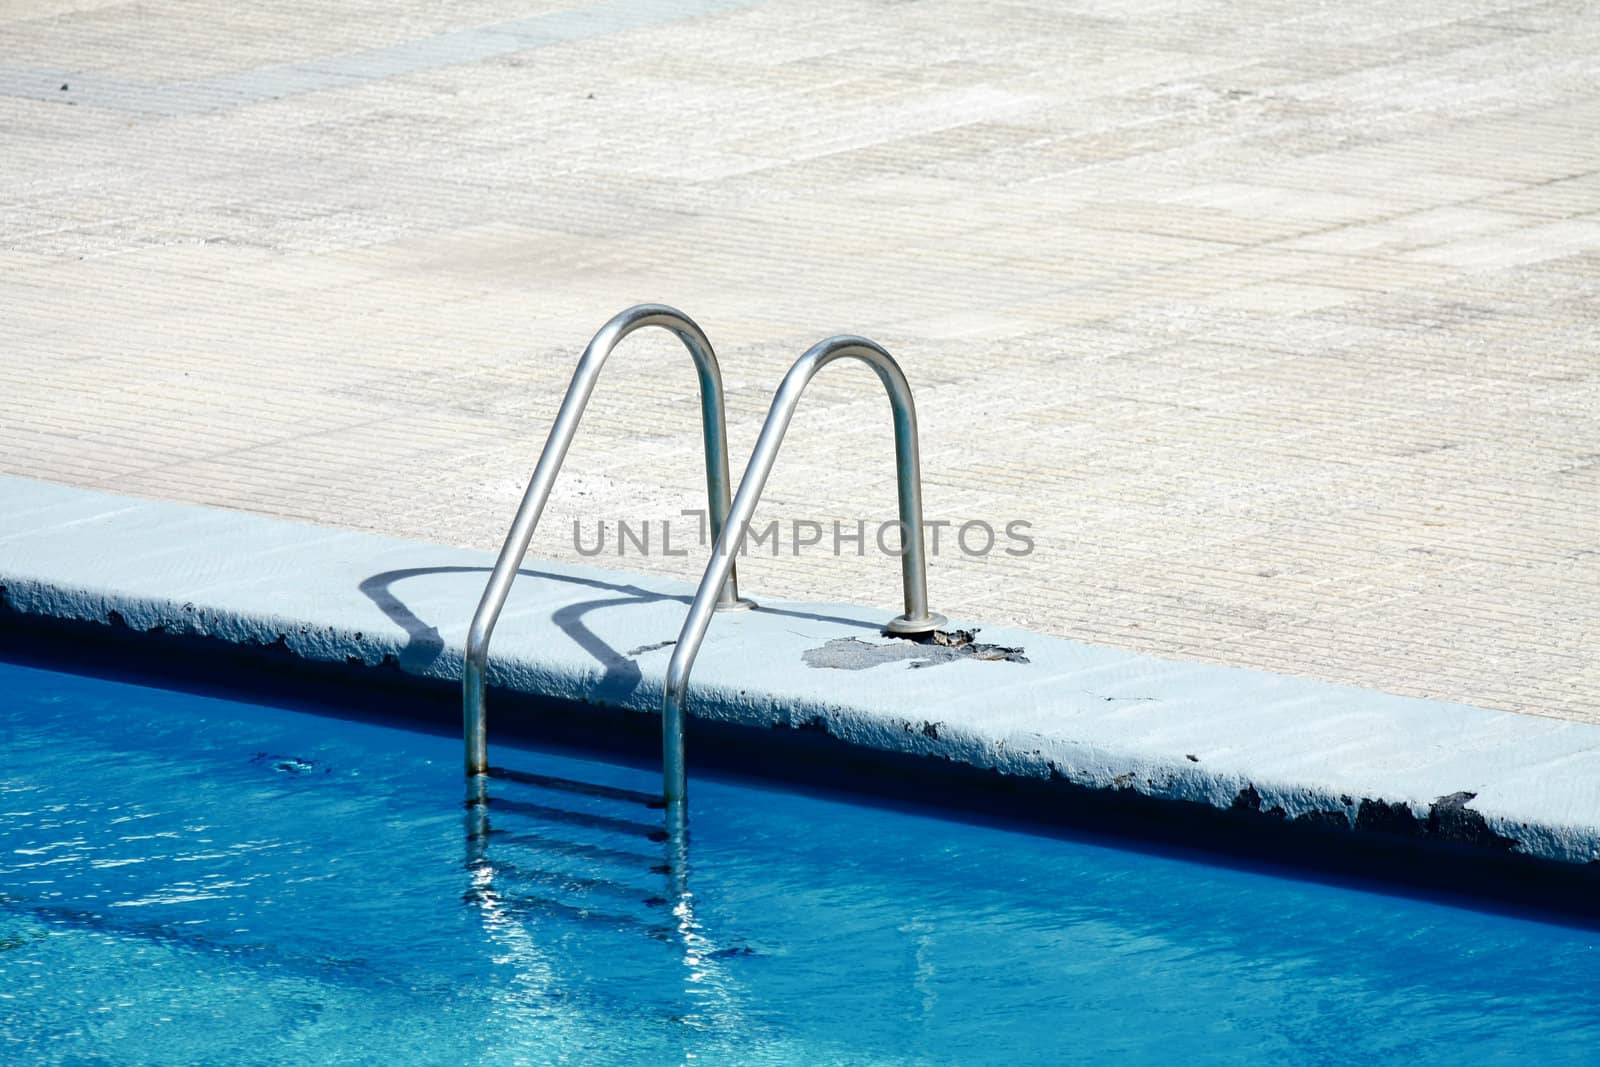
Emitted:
<point x="621" y="676"/>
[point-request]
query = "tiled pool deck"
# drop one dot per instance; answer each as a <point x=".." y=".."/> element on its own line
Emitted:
<point x="1276" y="320"/>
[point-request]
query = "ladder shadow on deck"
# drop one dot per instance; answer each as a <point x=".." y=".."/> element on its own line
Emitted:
<point x="621" y="677"/>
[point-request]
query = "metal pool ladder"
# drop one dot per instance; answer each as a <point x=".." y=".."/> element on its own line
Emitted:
<point x="913" y="560"/>
<point x="714" y="425"/>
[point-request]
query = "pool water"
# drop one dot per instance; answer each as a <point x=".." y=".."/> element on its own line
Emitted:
<point x="191" y="880"/>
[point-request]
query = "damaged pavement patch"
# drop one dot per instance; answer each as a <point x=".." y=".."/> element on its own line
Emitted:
<point x="941" y="646"/>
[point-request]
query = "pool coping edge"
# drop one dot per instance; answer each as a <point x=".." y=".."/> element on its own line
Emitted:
<point x="309" y="591"/>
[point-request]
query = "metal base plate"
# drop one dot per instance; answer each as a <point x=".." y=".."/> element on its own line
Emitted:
<point x="906" y="626"/>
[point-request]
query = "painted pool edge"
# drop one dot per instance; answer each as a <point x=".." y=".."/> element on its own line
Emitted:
<point x="1287" y="752"/>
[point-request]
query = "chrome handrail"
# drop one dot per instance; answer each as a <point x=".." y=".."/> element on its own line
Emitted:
<point x="913" y="561"/>
<point x="714" y="426"/>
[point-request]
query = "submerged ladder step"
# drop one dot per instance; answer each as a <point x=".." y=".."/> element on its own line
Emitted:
<point x="578" y="850"/>
<point x="572" y="785"/>
<point x="561" y="909"/>
<point x="654" y="832"/>
<point x="579" y="884"/>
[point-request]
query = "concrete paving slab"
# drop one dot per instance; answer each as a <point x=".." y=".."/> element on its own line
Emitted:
<point x="1276" y="320"/>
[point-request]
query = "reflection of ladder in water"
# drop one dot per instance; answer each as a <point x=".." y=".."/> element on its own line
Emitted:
<point x="543" y="845"/>
<point x="547" y="854"/>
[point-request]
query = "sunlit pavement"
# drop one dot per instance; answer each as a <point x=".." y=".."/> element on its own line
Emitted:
<point x="1276" y="321"/>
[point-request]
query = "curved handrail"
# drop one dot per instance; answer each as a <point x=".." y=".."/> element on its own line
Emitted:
<point x="714" y="426"/>
<point x="913" y="561"/>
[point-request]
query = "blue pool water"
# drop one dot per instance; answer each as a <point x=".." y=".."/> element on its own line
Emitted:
<point x="189" y="880"/>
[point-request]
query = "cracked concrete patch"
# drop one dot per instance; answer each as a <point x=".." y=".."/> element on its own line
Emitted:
<point x="854" y="654"/>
